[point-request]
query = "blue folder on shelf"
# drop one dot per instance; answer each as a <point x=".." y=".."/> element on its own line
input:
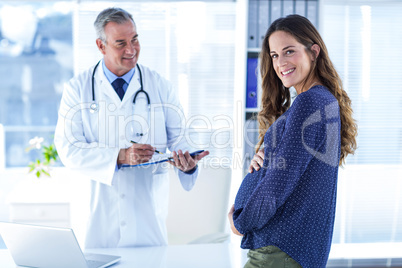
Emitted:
<point x="160" y="159"/>
<point x="252" y="89"/>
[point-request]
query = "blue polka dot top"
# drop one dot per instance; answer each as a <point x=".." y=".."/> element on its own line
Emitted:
<point x="290" y="202"/>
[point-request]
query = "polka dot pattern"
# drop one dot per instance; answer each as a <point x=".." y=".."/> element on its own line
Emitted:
<point x="290" y="202"/>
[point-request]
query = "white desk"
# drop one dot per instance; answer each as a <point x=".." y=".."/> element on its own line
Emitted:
<point x="231" y="256"/>
<point x="180" y="256"/>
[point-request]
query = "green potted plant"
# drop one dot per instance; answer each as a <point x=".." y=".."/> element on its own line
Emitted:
<point x="49" y="157"/>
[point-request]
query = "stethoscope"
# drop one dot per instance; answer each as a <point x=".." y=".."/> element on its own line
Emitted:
<point x="94" y="106"/>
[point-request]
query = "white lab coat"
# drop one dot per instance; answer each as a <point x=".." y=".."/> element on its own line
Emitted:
<point x="128" y="206"/>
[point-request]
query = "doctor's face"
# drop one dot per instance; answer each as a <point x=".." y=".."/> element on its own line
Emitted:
<point x="122" y="47"/>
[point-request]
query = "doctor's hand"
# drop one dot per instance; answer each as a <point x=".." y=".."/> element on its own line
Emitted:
<point x="136" y="154"/>
<point x="257" y="161"/>
<point x="185" y="162"/>
<point x="230" y="216"/>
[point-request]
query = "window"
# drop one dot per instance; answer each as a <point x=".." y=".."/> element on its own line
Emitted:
<point x="362" y="39"/>
<point x="35" y="61"/>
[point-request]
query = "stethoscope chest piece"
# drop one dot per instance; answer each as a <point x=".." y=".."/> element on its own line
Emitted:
<point x="93" y="107"/>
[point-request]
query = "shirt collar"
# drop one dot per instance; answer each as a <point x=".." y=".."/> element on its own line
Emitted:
<point x="111" y="76"/>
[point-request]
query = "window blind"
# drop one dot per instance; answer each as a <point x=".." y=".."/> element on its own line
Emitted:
<point x="363" y="38"/>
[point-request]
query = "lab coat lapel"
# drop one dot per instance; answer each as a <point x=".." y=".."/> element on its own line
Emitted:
<point x="105" y="86"/>
<point x="132" y="88"/>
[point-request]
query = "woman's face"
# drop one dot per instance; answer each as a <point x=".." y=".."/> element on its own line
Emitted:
<point x="290" y="59"/>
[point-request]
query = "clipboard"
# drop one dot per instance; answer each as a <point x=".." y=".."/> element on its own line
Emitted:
<point x="165" y="159"/>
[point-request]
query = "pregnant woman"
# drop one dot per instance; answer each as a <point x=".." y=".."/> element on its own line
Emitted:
<point x="285" y="207"/>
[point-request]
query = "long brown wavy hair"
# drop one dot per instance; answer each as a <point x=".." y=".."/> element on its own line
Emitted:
<point x="276" y="97"/>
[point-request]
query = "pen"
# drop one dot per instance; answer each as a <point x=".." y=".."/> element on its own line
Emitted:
<point x="156" y="151"/>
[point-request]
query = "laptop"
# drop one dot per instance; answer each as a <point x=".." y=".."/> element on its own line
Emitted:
<point x="49" y="247"/>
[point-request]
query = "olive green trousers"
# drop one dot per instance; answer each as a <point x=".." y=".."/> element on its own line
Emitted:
<point x="269" y="256"/>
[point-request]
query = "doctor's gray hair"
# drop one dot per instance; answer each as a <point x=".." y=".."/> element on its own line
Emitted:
<point x="113" y="14"/>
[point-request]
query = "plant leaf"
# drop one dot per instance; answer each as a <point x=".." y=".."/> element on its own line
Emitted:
<point x="45" y="172"/>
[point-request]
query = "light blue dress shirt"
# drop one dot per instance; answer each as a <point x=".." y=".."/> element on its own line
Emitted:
<point x="111" y="76"/>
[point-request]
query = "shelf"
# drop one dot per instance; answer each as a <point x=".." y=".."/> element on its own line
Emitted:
<point x="252" y="110"/>
<point x="254" y="49"/>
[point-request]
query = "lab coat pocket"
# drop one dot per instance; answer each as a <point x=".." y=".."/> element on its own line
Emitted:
<point x="158" y="135"/>
<point x="91" y="125"/>
<point x="96" y="124"/>
<point x="138" y="124"/>
<point x="161" y="194"/>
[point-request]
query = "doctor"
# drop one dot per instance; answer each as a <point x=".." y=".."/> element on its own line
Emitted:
<point x="97" y="121"/>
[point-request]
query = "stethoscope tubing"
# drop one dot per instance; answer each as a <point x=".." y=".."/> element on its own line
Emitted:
<point x="94" y="106"/>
